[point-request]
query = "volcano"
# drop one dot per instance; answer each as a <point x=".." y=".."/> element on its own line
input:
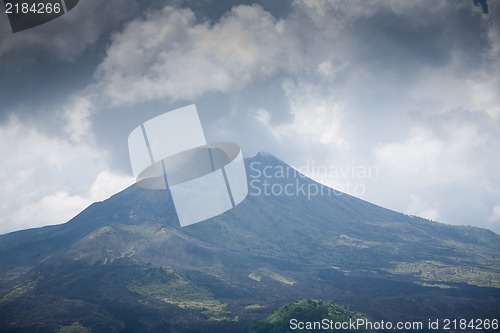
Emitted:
<point x="125" y="264"/>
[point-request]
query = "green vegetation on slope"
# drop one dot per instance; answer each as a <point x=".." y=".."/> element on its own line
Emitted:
<point x="305" y="311"/>
<point x="74" y="328"/>
<point x="167" y="286"/>
<point x="431" y="270"/>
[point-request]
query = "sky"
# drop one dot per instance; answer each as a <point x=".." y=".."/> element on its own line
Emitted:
<point x="395" y="102"/>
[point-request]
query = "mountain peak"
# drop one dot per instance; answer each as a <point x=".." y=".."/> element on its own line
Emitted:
<point x="265" y="156"/>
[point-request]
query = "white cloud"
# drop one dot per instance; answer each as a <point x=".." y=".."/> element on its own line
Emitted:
<point x="76" y="116"/>
<point x="447" y="89"/>
<point x="416" y="157"/>
<point x="495" y="215"/>
<point x="168" y="54"/>
<point x="442" y="149"/>
<point x="61" y="206"/>
<point x="47" y="178"/>
<point x="447" y="161"/>
<point x="51" y="209"/>
<point x="107" y="184"/>
<point x="316" y="119"/>
<point x="418" y="207"/>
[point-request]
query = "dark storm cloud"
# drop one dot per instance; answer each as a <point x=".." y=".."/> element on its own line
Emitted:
<point x="213" y="10"/>
<point x="483" y="4"/>
<point x="391" y="41"/>
<point x="66" y="37"/>
<point x="403" y="41"/>
<point x="42" y="66"/>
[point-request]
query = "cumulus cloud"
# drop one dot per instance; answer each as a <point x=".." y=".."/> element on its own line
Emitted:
<point x="51" y="209"/>
<point x="315" y="119"/>
<point x="108" y="183"/>
<point x="168" y="54"/>
<point x="61" y="206"/>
